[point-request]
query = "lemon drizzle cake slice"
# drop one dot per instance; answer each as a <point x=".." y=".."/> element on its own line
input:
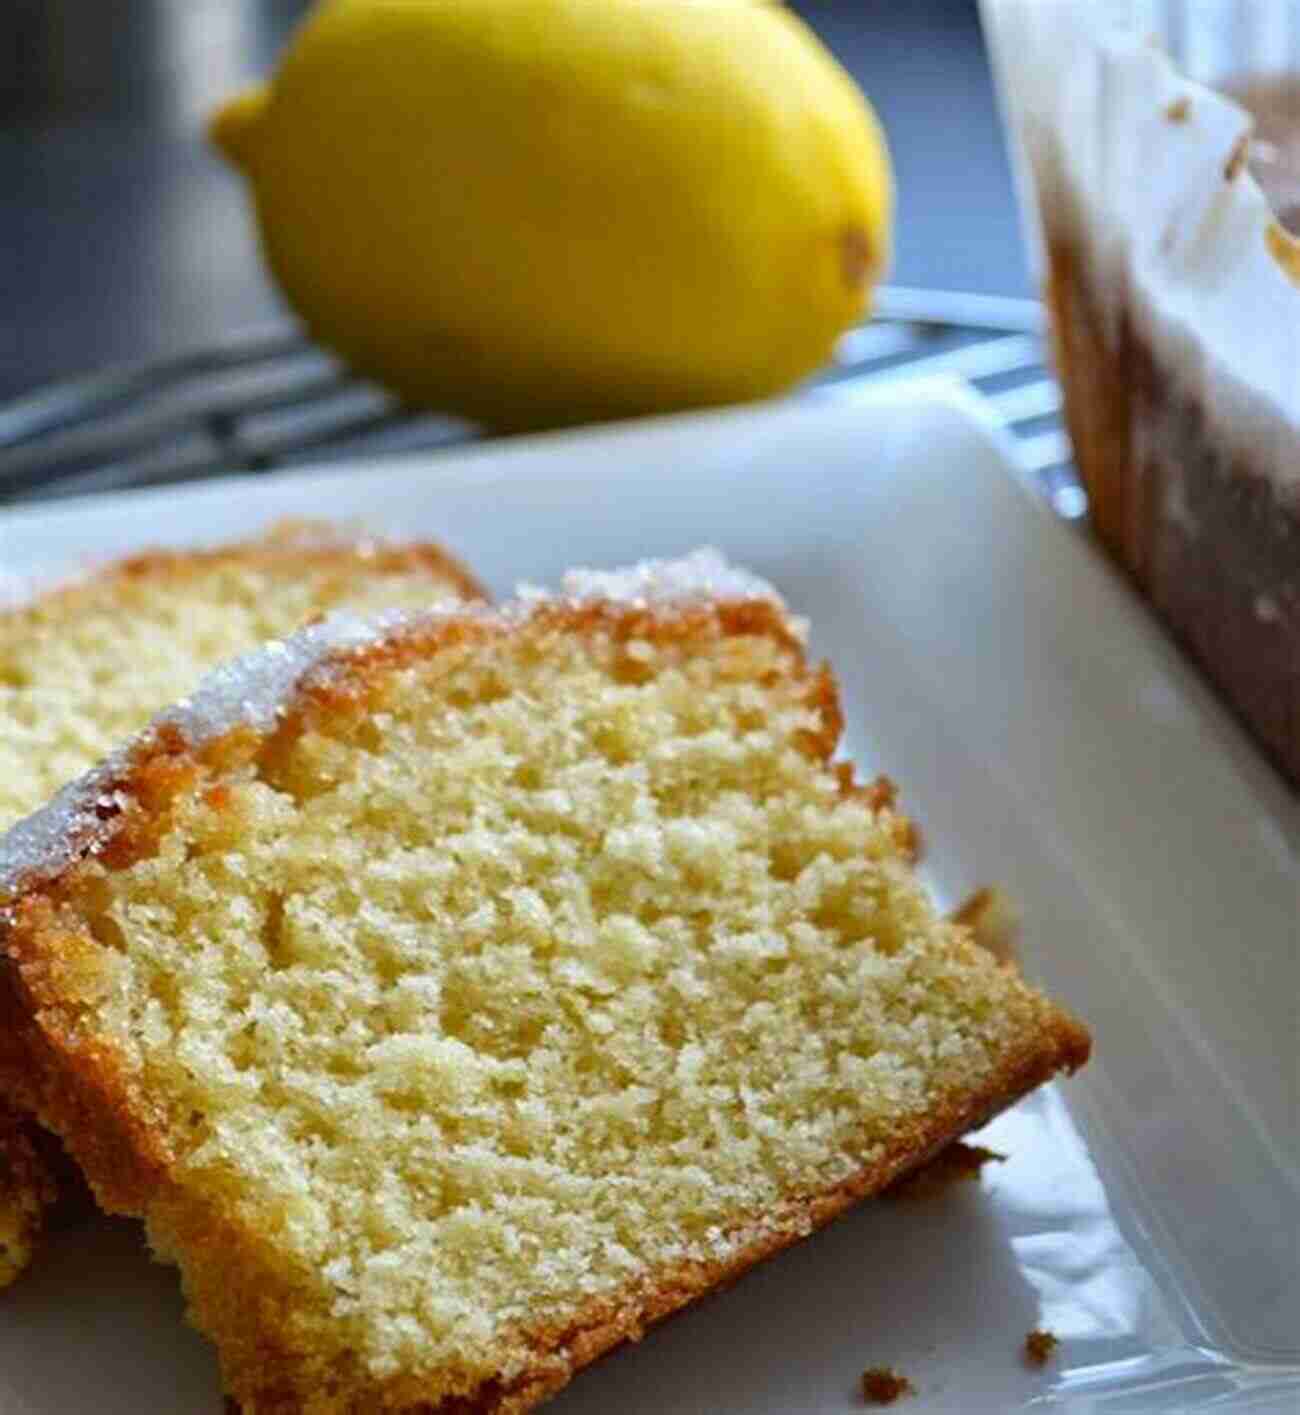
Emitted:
<point x="456" y="996"/>
<point x="84" y="665"/>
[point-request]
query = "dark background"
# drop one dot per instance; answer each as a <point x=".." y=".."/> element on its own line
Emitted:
<point x="122" y="235"/>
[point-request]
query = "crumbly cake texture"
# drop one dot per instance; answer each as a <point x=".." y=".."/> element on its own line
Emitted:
<point x="84" y="665"/>
<point x="497" y="987"/>
<point x="1175" y="301"/>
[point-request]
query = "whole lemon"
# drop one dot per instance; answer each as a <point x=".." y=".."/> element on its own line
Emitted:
<point x="544" y="211"/>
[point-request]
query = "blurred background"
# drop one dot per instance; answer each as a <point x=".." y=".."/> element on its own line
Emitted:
<point x="122" y="236"/>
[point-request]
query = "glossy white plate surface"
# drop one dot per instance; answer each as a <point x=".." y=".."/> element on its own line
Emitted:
<point x="1047" y="737"/>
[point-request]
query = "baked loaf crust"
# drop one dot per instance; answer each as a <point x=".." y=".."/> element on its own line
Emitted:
<point x="85" y="665"/>
<point x="1174" y="295"/>
<point x="456" y="997"/>
<point x="1195" y="518"/>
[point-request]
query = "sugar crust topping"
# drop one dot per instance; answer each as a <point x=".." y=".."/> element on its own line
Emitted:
<point x="1144" y="167"/>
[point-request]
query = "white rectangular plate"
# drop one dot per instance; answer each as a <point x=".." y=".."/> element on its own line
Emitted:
<point x="1048" y="738"/>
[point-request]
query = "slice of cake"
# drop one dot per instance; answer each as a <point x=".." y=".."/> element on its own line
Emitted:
<point x="84" y="666"/>
<point x="454" y="997"/>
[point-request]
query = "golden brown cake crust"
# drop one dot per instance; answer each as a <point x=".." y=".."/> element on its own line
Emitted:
<point x="243" y="1296"/>
<point x="309" y="543"/>
<point x="1097" y="403"/>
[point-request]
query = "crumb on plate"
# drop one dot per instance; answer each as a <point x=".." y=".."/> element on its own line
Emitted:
<point x="993" y="920"/>
<point x="954" y="1164"/>
<point x="1039" y="1346"/>
<point x="882" y="1385"/>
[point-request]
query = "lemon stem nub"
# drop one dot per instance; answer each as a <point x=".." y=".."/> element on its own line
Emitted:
<point x="234" y="123"/>
<point x="856" y="257"/>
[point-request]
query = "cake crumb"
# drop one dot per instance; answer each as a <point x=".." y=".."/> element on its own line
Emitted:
<point x="1285" y="249"/>
<point x="1179" y="110"/>
<point x="993" y="919"/>
<point x="954" y="1164"/>
<point x="1039" y="1346"/>
<point x="882" y="1385"/>
<point x="1236" y="163"/>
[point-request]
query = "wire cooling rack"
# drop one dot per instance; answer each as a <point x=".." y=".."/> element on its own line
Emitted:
<point x="269" y="399"/>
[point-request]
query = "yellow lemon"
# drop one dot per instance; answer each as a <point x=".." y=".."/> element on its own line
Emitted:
<point x="542" y="211"/>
